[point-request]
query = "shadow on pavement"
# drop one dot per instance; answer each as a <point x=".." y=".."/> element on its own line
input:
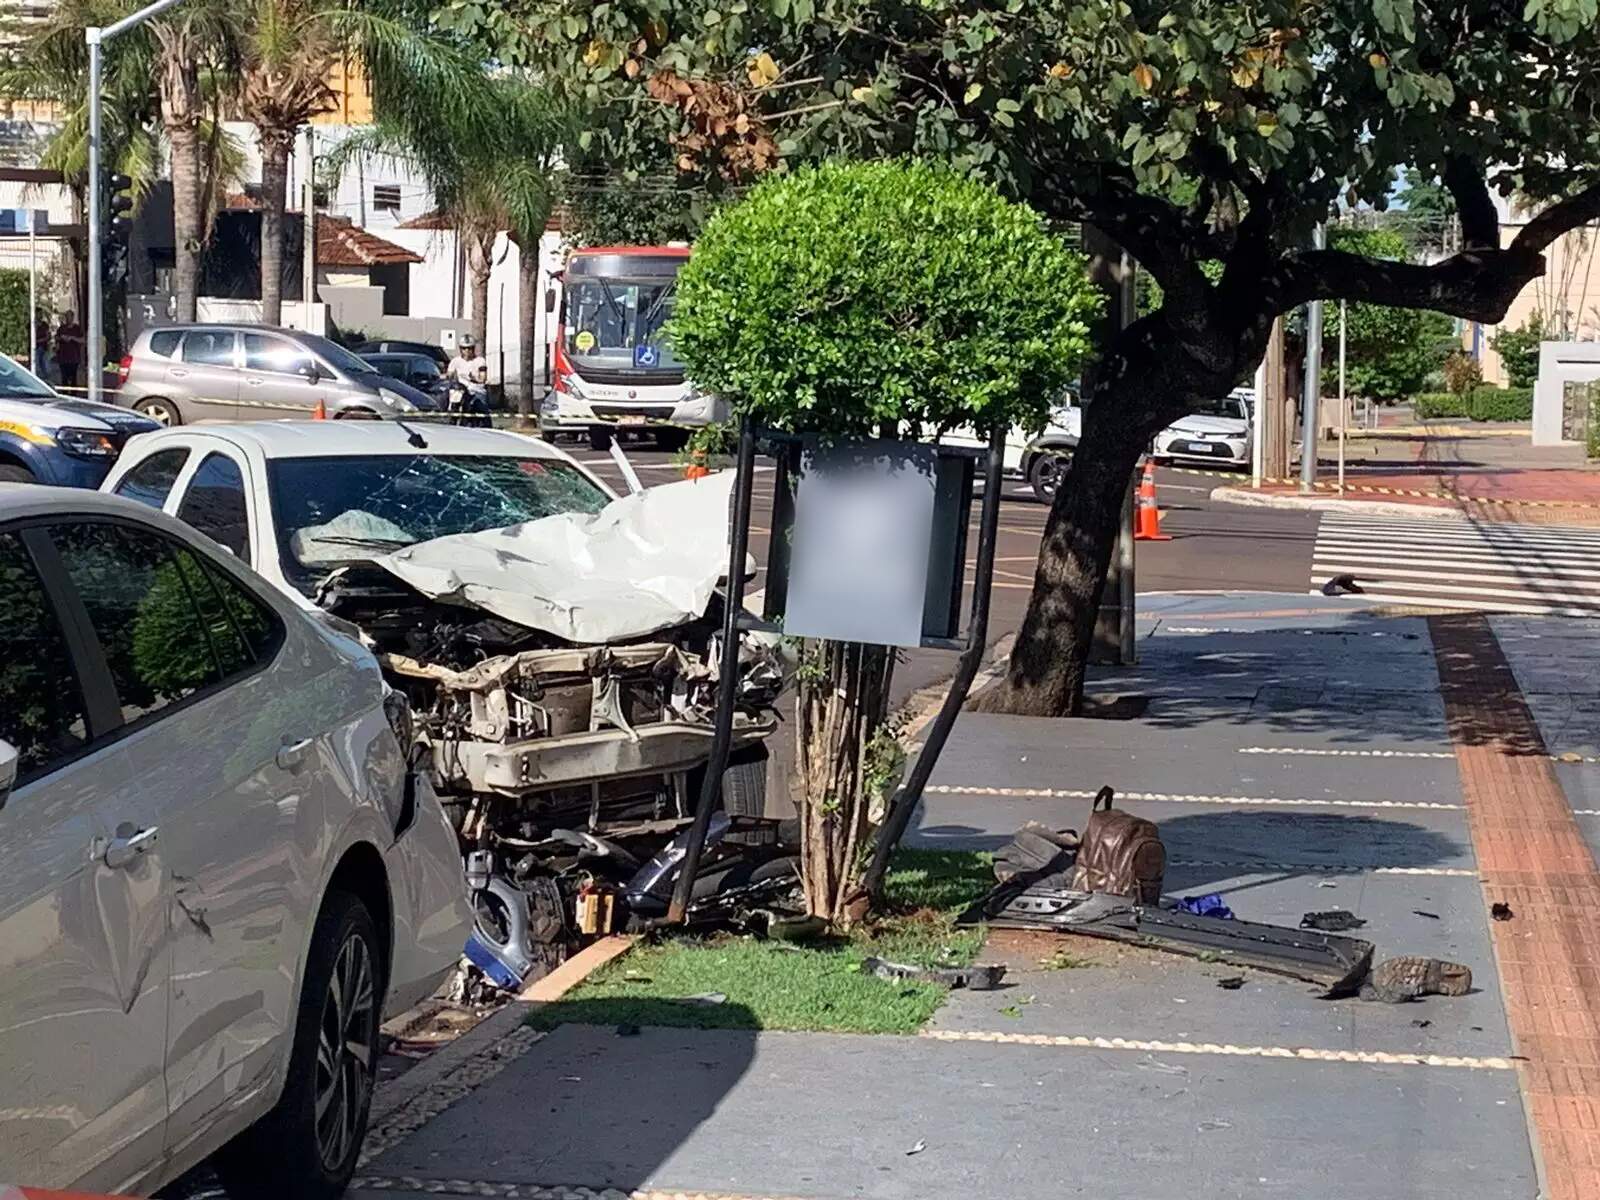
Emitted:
<point x="601" y="1103"/>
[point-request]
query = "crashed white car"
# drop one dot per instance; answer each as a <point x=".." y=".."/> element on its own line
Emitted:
<point x="1219" y="431"/>
<point x="558" y="646"/>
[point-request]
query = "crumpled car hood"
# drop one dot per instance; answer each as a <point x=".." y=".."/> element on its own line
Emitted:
<point x="646" y="562"/>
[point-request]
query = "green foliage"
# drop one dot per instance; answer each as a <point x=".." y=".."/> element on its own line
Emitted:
<point x="1389" y="352"/>
<point x="1519" y="351"/>
<point x="843" y="297"/>
<point x="1500" y="404"/>
<point x="1586" y="397"/>
<point x="14" y="312"/>
<point x="624" y="212"/>
<point x="1462" y="373"/>
<point x="1482" y="403"/>
<point x="1433" y="406"/>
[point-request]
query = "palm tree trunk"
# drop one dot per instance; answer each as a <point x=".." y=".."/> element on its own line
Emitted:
<point x="276" y="145"/>
<point x="178" y="84"/>
<point x="480" y="263"/>
<point x="187" y="218"/>
<point x="527" y="330"/>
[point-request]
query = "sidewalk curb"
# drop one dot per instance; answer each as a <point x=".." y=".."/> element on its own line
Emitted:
<point x="394" y="1096"/>
<point x="1246" y="498"/>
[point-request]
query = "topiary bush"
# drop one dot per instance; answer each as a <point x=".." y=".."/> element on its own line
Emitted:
<point x="841" y="300"/>
<point x="842" y="297"/>
<point x="14" y="311"/>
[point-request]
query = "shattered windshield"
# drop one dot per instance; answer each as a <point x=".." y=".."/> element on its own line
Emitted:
<point x="337" y="510"/>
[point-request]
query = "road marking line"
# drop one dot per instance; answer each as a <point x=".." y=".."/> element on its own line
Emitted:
<point x="1328" y="868"/>
<point x="1320" y="753"/>
<point x="532" y="1191"/>
<point x="1390" y="552"/>
<point x="1179" y="798"/>
<point x="1305" y="1053"/>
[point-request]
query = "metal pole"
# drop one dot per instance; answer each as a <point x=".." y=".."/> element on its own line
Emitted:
<point x="1257" y="446"/>
<point x="906" y="799"/>
<point x="1344" y="402"/>
<point x="1313" y="387"/>
<point x="308" y="238"/>
<point x="727" y="672"/>
<point x="95" y="316"/>
<point x="33" y="295"/>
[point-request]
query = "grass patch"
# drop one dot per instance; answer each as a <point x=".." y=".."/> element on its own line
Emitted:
<point x="819" y="987"/>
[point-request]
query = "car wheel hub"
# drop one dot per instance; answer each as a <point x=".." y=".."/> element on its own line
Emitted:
<point x="344" y="1051"/>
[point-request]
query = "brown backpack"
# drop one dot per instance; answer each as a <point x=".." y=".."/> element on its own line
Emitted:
<point x="1121" y="854"/>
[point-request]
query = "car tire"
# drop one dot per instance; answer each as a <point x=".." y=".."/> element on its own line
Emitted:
<point x="11" y="473"/>
<point x="599" y="438"/>
<point x="744" y="783"/>
<point x="1045" y="473"/>
<point x="160" y="410"/>
<point x="295" y="1150"/>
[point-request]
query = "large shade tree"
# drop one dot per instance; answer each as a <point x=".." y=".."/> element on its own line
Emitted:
<point x="1190" y="131"/>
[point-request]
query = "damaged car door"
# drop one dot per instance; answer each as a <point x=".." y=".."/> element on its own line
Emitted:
<point x="83" y="962"/>
<point x="221" y="721"/>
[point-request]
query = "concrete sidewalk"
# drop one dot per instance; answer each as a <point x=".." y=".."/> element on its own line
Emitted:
<point x="1298" y="753"/>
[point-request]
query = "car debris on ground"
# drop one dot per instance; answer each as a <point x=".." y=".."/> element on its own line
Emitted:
<point x="1039" y="878"/>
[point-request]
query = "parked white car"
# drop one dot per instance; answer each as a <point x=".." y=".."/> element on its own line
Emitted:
<point x="1217" y="432"/>
<point x="217" y="875"/>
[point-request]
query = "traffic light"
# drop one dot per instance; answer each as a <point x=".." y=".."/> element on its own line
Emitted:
<point x="118" y="225"/>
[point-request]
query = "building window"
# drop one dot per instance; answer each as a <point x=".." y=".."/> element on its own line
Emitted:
<point x="386" y="197"/>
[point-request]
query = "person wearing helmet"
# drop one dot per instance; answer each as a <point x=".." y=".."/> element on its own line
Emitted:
<point x="469" y="372"/>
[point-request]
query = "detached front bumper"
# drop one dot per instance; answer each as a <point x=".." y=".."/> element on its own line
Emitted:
<point x="538" y="764"/>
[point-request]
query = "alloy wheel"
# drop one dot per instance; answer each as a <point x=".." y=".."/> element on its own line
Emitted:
<point x="157" y="412"/>
<point x="344" y="1051"/>
<point x="1047" y="473"/>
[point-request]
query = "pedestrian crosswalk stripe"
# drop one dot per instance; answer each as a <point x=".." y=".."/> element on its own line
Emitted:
<point x="1458" y="563"/>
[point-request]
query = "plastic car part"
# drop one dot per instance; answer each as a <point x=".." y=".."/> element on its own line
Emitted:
<point x="499" y="944"/>
<point x="1337" y="964"/>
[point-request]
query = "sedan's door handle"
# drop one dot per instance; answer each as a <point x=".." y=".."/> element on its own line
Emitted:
<point x="292" y="754"/>
<point x="125" y="850"/>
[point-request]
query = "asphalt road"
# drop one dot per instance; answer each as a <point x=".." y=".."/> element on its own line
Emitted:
<point x="1214" y="547"/>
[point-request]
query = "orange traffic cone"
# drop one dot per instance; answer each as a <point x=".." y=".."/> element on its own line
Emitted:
<point x="320" y="412"/>
<point x="696" y="467"/>
<point x="1147" y="517"/>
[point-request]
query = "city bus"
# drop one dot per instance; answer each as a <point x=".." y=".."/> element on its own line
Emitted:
<point x="612" y="369"/>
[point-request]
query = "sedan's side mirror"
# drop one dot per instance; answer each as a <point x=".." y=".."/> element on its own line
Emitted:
<point x="310" y="372"/>
<point x="8" y="770"/>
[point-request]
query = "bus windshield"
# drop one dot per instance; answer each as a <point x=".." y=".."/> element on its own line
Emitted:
<point x="608" y="320"/>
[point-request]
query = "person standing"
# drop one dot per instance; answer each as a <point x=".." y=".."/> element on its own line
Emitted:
<point x="69" y="350"/>
<point x="39" y="352"/>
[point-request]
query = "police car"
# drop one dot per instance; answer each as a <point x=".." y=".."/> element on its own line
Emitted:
<point x="46" y="437"/>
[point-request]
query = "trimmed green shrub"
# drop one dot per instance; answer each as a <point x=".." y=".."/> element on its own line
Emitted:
<point x="1519" y="351"/>
<point x="1431" y="406"/>
<point x="14" y="311"/>
<point x="1500" y="404"/>
<point x="1484" y="403"/>
<point x="848" y="296"/>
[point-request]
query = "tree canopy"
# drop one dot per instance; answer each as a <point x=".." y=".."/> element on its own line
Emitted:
<point x="1188" y="131"/>
<point x="1390" y="352"/>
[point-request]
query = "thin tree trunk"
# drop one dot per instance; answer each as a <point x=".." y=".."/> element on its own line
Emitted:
<point x="276" y="146"/>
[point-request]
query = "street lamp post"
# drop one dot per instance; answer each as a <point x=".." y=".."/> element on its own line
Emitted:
<point x="96" y="36"/>
<point x="1313" y="388"/>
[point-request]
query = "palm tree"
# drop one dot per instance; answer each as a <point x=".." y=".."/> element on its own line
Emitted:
<point x="50" y="63"/>
<point x="289" y="48"/>
<point x="491" y="167"/>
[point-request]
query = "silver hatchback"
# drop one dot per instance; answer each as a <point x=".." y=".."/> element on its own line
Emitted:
<point x="177" y="374"/>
